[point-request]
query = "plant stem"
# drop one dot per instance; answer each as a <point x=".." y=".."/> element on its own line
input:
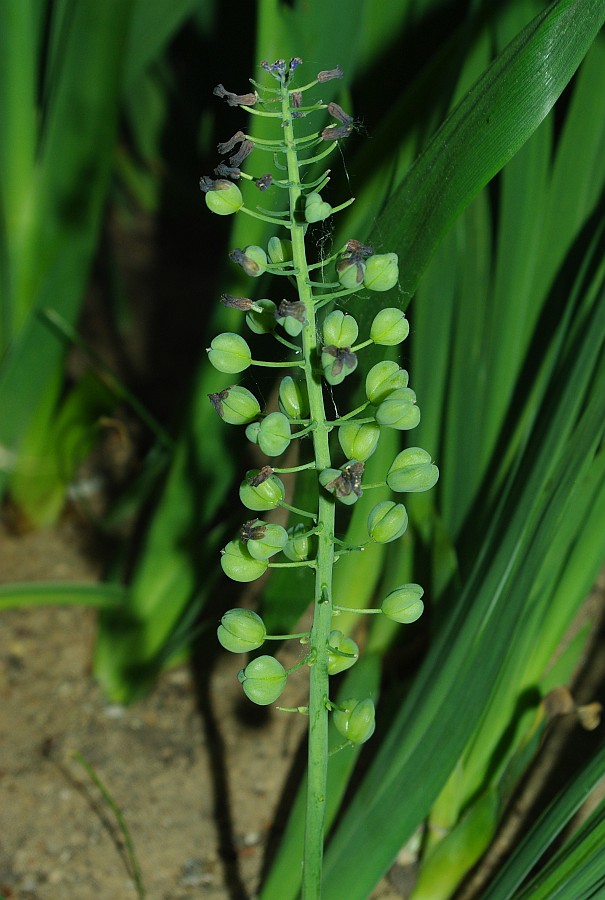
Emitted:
<point x="322" y="619"/>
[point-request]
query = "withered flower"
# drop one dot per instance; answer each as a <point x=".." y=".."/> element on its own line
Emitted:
<point x="329" y="74"/>
<point x="234" y="99"/>
<point x="265" y="472"/>
<point x="349" y="482"/>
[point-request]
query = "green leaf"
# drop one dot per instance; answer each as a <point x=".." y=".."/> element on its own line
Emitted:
<point x="486" y="129"/>
<point x="57" y="593"/>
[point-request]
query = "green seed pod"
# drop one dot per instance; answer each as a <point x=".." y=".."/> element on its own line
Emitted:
<point x="382" y="272"/>
<point x="263" y="680"/>
<point x="259" y="493"/>
<point x="412" y="471"/>
<point x="337" y="363"/>
<point x="339" y="329"/>
<point x="298" y="547"/>
<point x="384" y="378"/>
<point x="291" y="315"/>
<point x="350" y="273"/>
<point x="356" y="720"/>
<point x="293" y="398"/>
<point x="358" y="441"/>
<point x="252" y="432"/>
<point x="389" y="327"/>
<point x="235" y="405"/>
<point x="404" y="604"/>
<point x="344" y="483"/>
<point x="339" y="645"/>
<point x="279" y="250"/>
<point x="229" y="352"/>
<point x="224" y="199"/>
<point x="254" y="261"/>
<point x="399" y="410"/>
<point x="291" y="326"/>
<point x="387" y="521"/>
<point x="241" y="630"/>
<point x="274" y="435"/>
<point x="239" y="565"/>
<point x="262" y="322"/>
<point x="316" y="209"/>
<point x="263" y="540"/>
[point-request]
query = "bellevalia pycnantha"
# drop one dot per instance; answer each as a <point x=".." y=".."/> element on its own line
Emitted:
<point x="323" y="351"/>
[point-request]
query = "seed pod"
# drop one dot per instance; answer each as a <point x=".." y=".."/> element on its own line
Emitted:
<point x="344" y="483"/>
<point x="229" y="352"/>
<point x="252" y="432"/>
<point x="274" y="435"/>
<point x="237" y="563"/>
<point x="291" y="315"/>
<point x="252" y="259"/>
<point x="293" y="398"/>
<point x="399" y="410"/>
<point x="384" y="378"/>
<point x="241" y="630"/>
<point x="389" y="327"/>
<point x="343" y="653"/>
<point x="350" y="273"/>
<point x="316" y="209"/>
<point x="339" y="329"/>
<point x="337" y="363"/>
<point x="387" y="522"/>
<point x="236" y="405"/>
<point x="412" y="471"/>
<point x="261" y="496"/>
<point x="224" y="198"/>
<point x="298" y="547"/>
<point x="404" y="604"/>
<point x="382" y="272"/>
<point x="262" y="322"/>
<point x="263" y="680"/>
<point x="271" y="539"/>
<point x="279" y="250"/>
<point x="359" y="441"/>
<point x="355" y="720"/>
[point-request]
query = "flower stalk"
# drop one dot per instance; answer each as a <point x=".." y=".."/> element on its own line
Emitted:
<point x="324" y="354"/>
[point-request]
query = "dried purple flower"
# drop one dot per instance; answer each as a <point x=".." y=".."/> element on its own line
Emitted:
<point x="264" y="182"/>
<point x="245" y="150"/>
<point x="252" y="530"/>
<point x="217" y="400"/>
<point x="357" y="250"/>
<point x="241" y="303"/>
<point x="206" y="184"/>
<point x="234" y="99"/>
<point x="262" y="475"/>
<point x="295" y="310"/>
<point x="338" y="112"/>
<point x="228" y="146"/>
<point x="349" y="482"/>
<point x="295" y="62"/>
<point x="335" y="133"/>
<point x="343" y="357"/>
<point x="225" y="171"/>
<point x="330" y="74"/>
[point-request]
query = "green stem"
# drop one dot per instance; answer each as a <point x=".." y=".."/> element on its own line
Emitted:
<point x="322" y="619"/>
